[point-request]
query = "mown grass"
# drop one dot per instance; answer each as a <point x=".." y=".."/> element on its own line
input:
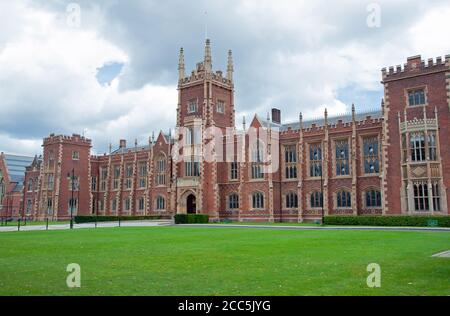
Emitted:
<point x="214" y="261"/>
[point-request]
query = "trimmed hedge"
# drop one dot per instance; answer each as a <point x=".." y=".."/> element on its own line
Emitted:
<point x="191" y="219"/>
<point x="91" y="219"/>
<point x="416" y="221"/>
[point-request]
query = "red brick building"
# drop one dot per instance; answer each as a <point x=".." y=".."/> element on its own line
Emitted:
<point x="389" y="162"/>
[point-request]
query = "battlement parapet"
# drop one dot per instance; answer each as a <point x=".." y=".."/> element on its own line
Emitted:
<point x="415" y="66"/>
<point x="75" y="139"/>
<point x="199" y="74"/>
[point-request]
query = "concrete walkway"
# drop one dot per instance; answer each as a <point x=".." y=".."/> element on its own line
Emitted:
<point x="356" y="228"/>
<point x="159" y="223"/>
<point x="155" y="223"/>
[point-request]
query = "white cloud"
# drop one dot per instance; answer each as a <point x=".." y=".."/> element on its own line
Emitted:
<point x="18" y="146"/>
<point x="48" y="84"/>
<point x="296" y="55"/>
<point x="429" y="36"/>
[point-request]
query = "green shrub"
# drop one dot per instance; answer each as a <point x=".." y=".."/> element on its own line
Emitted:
<point x="191" y="219"/>
<point x="421" y="221"/>
<point x="92" y="219"/>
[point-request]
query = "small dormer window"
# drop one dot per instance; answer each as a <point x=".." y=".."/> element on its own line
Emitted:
<point x="192" y="106"/>
<point x="220" y="107"/>
<point x="416" y="97"/>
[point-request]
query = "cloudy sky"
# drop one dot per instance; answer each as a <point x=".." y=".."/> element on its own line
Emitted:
<point x="111" y="71"/>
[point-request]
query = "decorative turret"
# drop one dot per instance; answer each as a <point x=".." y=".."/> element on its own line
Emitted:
<point x="353" y="112"/>
<point x="230" y="67"/>
<point x="208" y="57"/>
<point x="181" y="66"/>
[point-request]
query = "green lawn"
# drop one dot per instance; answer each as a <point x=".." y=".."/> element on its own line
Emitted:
<point x="231" y="261"/>
<point x="268" y="224"/>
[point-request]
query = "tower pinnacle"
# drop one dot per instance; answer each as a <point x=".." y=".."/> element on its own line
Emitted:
<point x="181" y="66"/>
<point x="230" y="67"/>
<point x="208" y="57"/>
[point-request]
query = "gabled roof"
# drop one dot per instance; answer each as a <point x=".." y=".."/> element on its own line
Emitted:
<point x="16" y="166"/>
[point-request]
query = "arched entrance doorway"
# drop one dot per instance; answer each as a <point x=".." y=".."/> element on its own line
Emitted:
<point x="191" y="204"/>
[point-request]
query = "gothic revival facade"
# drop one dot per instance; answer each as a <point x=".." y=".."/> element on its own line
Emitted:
<point x="395" y="161"/>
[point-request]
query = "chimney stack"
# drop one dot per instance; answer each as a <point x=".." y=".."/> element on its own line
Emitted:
<point x="276" y="116"/>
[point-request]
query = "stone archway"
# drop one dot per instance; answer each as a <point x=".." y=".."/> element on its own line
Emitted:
<point x="191" y="204"/>
<point x="188" y="202"/>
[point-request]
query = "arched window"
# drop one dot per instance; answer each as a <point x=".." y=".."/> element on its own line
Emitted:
<point x="160" y="203"/>
<point x="343" y="199"/>
<point x="316" y="199"/>
<point x="114" y="206"/>
<point x="342" y="155"/>
<point x="373" y="198"/>
<point x="30" y="185"/>
<point x="127" y="204"/>
<point x="2" y="187"/>
<point x="290" y="159"/>
<point x="161" y="170"/>
<point x="421" y="201"/>
<point x="315" y="160"/>
<point x="73" y="206"/>
<point x="233" y="201"/>
<point x="258" y="200"/>
<point x="257" y="160"/>
<point x="291" y="200"/>
<point x="141" y="204"/>
<point x="371" y="155"/>
<point x="417" y="145"/>
<point x="29" y="206"/>
<point x="432" y="149"/>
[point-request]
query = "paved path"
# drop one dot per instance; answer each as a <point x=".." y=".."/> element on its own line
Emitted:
<point x="170" y="223"/>
<point x="363" y="228"/>
<point x="14" y="228"/>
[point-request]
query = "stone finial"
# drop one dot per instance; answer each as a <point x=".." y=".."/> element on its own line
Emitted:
<point x="110" y="148"/>
<point x="181" y="66"/>
<point x="300" y="118"/>
<point x="243" y="123"/>
<point x="153" y="137"/>
<point x="353" y="112"/>
<point x="208" y="57"/>
<point x="135" y="142"/>
<point x="230" y="67"/>
<point x="382" y="106"/>
<point x="326" y="116"/>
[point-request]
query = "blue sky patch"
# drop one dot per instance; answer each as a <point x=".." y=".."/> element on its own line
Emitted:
<point x="108" y="72"/>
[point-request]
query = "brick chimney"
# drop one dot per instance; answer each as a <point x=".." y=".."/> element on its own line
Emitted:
<point x="276" y="116"/>
<point x="123" y="144"/>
